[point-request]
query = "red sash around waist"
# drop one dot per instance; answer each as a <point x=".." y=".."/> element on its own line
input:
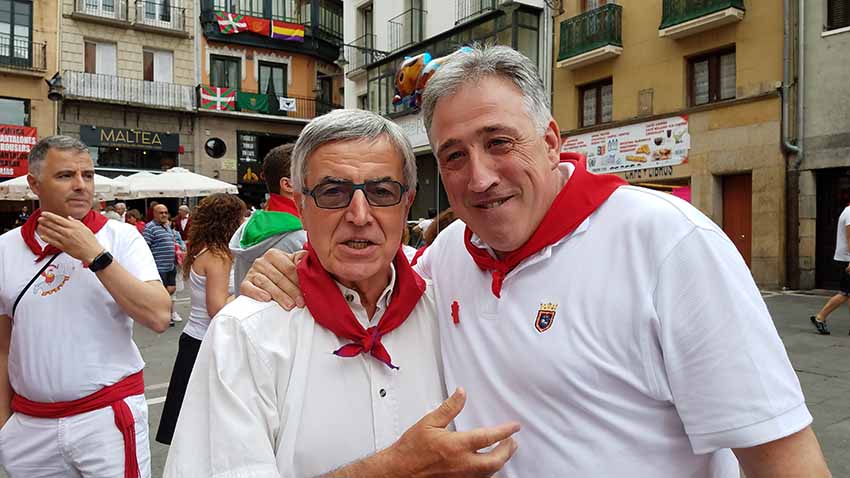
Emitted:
<point x="111" y="396"/>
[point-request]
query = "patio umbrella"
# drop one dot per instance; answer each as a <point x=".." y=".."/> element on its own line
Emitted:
<point x="174" y="183"/>
<point x="18" y="189"/>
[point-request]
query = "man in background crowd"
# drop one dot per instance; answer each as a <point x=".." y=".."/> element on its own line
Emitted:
<point x="160" y="239"/>
<point x="182" y="223"/>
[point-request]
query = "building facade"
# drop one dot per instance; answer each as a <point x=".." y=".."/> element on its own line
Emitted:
<point x="129" y="73"/>
<point x="380" y="34"/>
<point x="266" y="68"/>
<point x="824" y="168"/>
<point x="683" y="96"/>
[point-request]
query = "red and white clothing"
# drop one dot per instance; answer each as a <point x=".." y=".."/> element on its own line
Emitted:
<point x="660" y="356"/>
<point x="268" y="398"/>
<point x="69" y="336"/>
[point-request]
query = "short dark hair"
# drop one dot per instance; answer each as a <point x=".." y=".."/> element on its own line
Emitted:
<point x="276" y="166"/>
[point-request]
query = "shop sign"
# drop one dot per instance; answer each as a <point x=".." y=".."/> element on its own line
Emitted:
<point x="248" y="168"/>
<point x="414" y="128"/>
<point x="129" y="138"/>
<point x="651" y="173"/>
<point x="652" y="144"/>
<point x="15" y="145"/>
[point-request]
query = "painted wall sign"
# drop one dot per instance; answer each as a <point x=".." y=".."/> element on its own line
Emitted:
<point x="15" y="145"/>
<point x="664" y="142"/>
<point x="129" y="138"/>
<point x="650" y="173"/>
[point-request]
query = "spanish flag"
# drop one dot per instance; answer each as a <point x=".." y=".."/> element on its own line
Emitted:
<point x="287" y="31"/>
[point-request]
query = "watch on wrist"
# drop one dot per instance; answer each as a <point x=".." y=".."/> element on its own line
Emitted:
<point x="101" y="262"/>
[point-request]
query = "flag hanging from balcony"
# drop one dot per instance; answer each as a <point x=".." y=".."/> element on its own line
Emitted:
<point x="287" y="31"/>
<point x="252" y="102"/>
<point x="231" y="23"/>
<point x="260" y="26"/>
<point x="286" y="104"/>
<point x="219" y="99"/>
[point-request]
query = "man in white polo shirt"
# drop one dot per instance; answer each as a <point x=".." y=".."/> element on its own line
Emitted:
<point x="71" y="284"/>
<point x="299" y="394"/>
<point x="618" y="325"/>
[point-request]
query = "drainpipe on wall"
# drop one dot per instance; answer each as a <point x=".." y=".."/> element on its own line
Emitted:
<point x="793" y="153"/>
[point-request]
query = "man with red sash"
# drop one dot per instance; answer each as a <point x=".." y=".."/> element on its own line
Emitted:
<point x="71" y="284"/>
<point x="297" y="394"/>
<point x="619" y="326"/>
<point x="276" y="227"/>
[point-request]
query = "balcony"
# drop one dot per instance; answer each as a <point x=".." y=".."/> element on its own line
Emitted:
<point x="127" y="91"/>
<point x="290" y="106"/>
<point x="359" y="54"/>
<point x="466" y="10"/>
<point x="681" y="18"/>
<point x="22" y="55"/>
<point x="591" y="37"/>
<point x="159" y="16"/>
<point x="103" y="11"/>
<point x="406" y="29"/>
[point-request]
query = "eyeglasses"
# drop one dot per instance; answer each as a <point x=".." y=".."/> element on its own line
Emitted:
<point x="337" y="195"/>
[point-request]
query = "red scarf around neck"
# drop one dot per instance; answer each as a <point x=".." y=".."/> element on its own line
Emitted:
<point x="93" y="220"/>
<point x="325" y="302"/>
<point x="278" y="203"/>
<point x="578" y="199"/>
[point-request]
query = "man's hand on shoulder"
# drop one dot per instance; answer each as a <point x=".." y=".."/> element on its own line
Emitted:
<point x="273" y="276"/>
<point x="70" y="235"/>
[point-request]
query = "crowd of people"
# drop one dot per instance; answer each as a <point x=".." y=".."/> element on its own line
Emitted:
<point x="496" y="348"/>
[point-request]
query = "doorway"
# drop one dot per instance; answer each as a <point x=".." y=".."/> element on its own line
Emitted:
<point x="738" y="212"/>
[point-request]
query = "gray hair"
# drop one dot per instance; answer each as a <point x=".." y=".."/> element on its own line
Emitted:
<point x="59" y="142"/>
<point x="478" y="62"/>
<point x="350" y="125"/>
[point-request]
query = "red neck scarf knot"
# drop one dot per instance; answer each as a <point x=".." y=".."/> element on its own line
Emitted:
<point x="94" y="221"/>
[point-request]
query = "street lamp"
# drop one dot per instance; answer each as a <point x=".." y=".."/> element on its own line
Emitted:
<point x="55" y="93"/>
<point x="341" y="61"/>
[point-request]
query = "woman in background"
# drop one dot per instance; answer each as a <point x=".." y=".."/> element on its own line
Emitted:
<point x="207" y="267"/>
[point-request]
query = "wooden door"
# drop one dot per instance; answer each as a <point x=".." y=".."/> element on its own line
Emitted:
<point x="738" y="212"/>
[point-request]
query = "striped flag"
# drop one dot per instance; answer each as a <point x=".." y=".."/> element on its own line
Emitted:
<point x="219" y="99"/>
<point x="287" y="31"/>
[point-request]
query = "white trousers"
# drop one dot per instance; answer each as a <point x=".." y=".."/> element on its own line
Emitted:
<point x="83" y="446"/>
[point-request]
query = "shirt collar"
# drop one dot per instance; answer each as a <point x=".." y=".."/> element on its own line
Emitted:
<point x="353" y="297"/>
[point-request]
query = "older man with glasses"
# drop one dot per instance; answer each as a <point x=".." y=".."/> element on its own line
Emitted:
<point x="276" y="393"/>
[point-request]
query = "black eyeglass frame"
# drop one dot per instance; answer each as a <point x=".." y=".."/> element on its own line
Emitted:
<point x="354" y="188"/>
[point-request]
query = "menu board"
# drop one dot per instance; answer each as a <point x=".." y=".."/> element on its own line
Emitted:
<point x="663" y="142"/>
<point x="248" y="169"/>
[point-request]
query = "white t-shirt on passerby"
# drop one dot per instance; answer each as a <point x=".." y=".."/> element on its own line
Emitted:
<point x="842" y="253"/>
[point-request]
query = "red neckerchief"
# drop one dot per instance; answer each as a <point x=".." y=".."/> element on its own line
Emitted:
<point x="93" y="220"/>
<point x="325" y="302"/>
<point x="418" y="254"/>
<point x="578" y="199"/>
<point x="278" y="203"/>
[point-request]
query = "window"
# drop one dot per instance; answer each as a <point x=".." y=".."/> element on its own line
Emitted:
<point x="837" y="14"/>
<point x="14" y="112"/>
<point x="596" y="103"/>
<point x="158" y="10"/>
<point x="367" y="20"/>
<point x="15" y="31"/>
<point x="215" y="148"/>
<point x="100" y="58"/>
<point x="592" y="4"/>
<point x="330" y="17"/>
<point x="363" y="102"/>
<point x="273" y="79"/>
<point x="225" y="72"/>
<point x="158" y="65"/>
<point x="711" y="78"/>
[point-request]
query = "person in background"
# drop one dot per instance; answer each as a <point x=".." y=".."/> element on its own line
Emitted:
<point x="277" y="227"/>
<point x="182" y="223"/>
<point x="134" y="218"/>
<point x="842" y="257"/>
<point x="121" y="209"/>
<point x="161" y="240"/>
<point x="207" y="268"/>
<point x="149" y="213"/>
<point x="110" y="213"/>
<point x="444" y="219"/>
<point x="23" y="216"/>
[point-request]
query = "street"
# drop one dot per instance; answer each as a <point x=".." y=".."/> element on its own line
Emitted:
<point x="821" y="363"/>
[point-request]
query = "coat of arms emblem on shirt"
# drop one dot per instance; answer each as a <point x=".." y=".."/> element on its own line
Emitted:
<point x="51" y="280"/>
<point x="545" y="317"/>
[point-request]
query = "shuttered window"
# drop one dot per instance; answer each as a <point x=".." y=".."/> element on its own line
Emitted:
<point x="597" y="103"/>
<point x="837" y="14"/>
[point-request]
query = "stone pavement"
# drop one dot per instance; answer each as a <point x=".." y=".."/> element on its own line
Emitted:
<point x="821" y="362"/>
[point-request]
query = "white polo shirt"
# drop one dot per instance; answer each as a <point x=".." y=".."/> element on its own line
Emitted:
<point x="69" y="336"/>
<point x="268" y="397"/>
<point x="842" y="253"/>
<point x="660" y="356"/>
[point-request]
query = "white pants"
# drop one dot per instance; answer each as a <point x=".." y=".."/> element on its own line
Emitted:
<point x="87" y="445"/>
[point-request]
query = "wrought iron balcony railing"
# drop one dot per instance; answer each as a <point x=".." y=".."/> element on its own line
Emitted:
<point x="406" y="29"/>
<point x="283" y="10"/>
<point x="591" y="30"/>
<point x="160" y="14"/>
<point x="109" y="9"/>
<point x="22" y="54"/>
<point x="675" y="12"/>
<point x="116" y="89"/>
<point x="469" y="9"/>
<point x="361" y="52"/>
<point x="291" y="106"/>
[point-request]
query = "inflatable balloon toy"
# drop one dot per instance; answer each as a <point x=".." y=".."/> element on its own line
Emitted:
<point x="414" y="74"/>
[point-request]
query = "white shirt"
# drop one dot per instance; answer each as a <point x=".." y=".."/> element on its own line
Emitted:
<point x="69" y="336"/>
<point x="268" y="398"/>
<point x="660" y="357"/>
<point x="842" y="253"/>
